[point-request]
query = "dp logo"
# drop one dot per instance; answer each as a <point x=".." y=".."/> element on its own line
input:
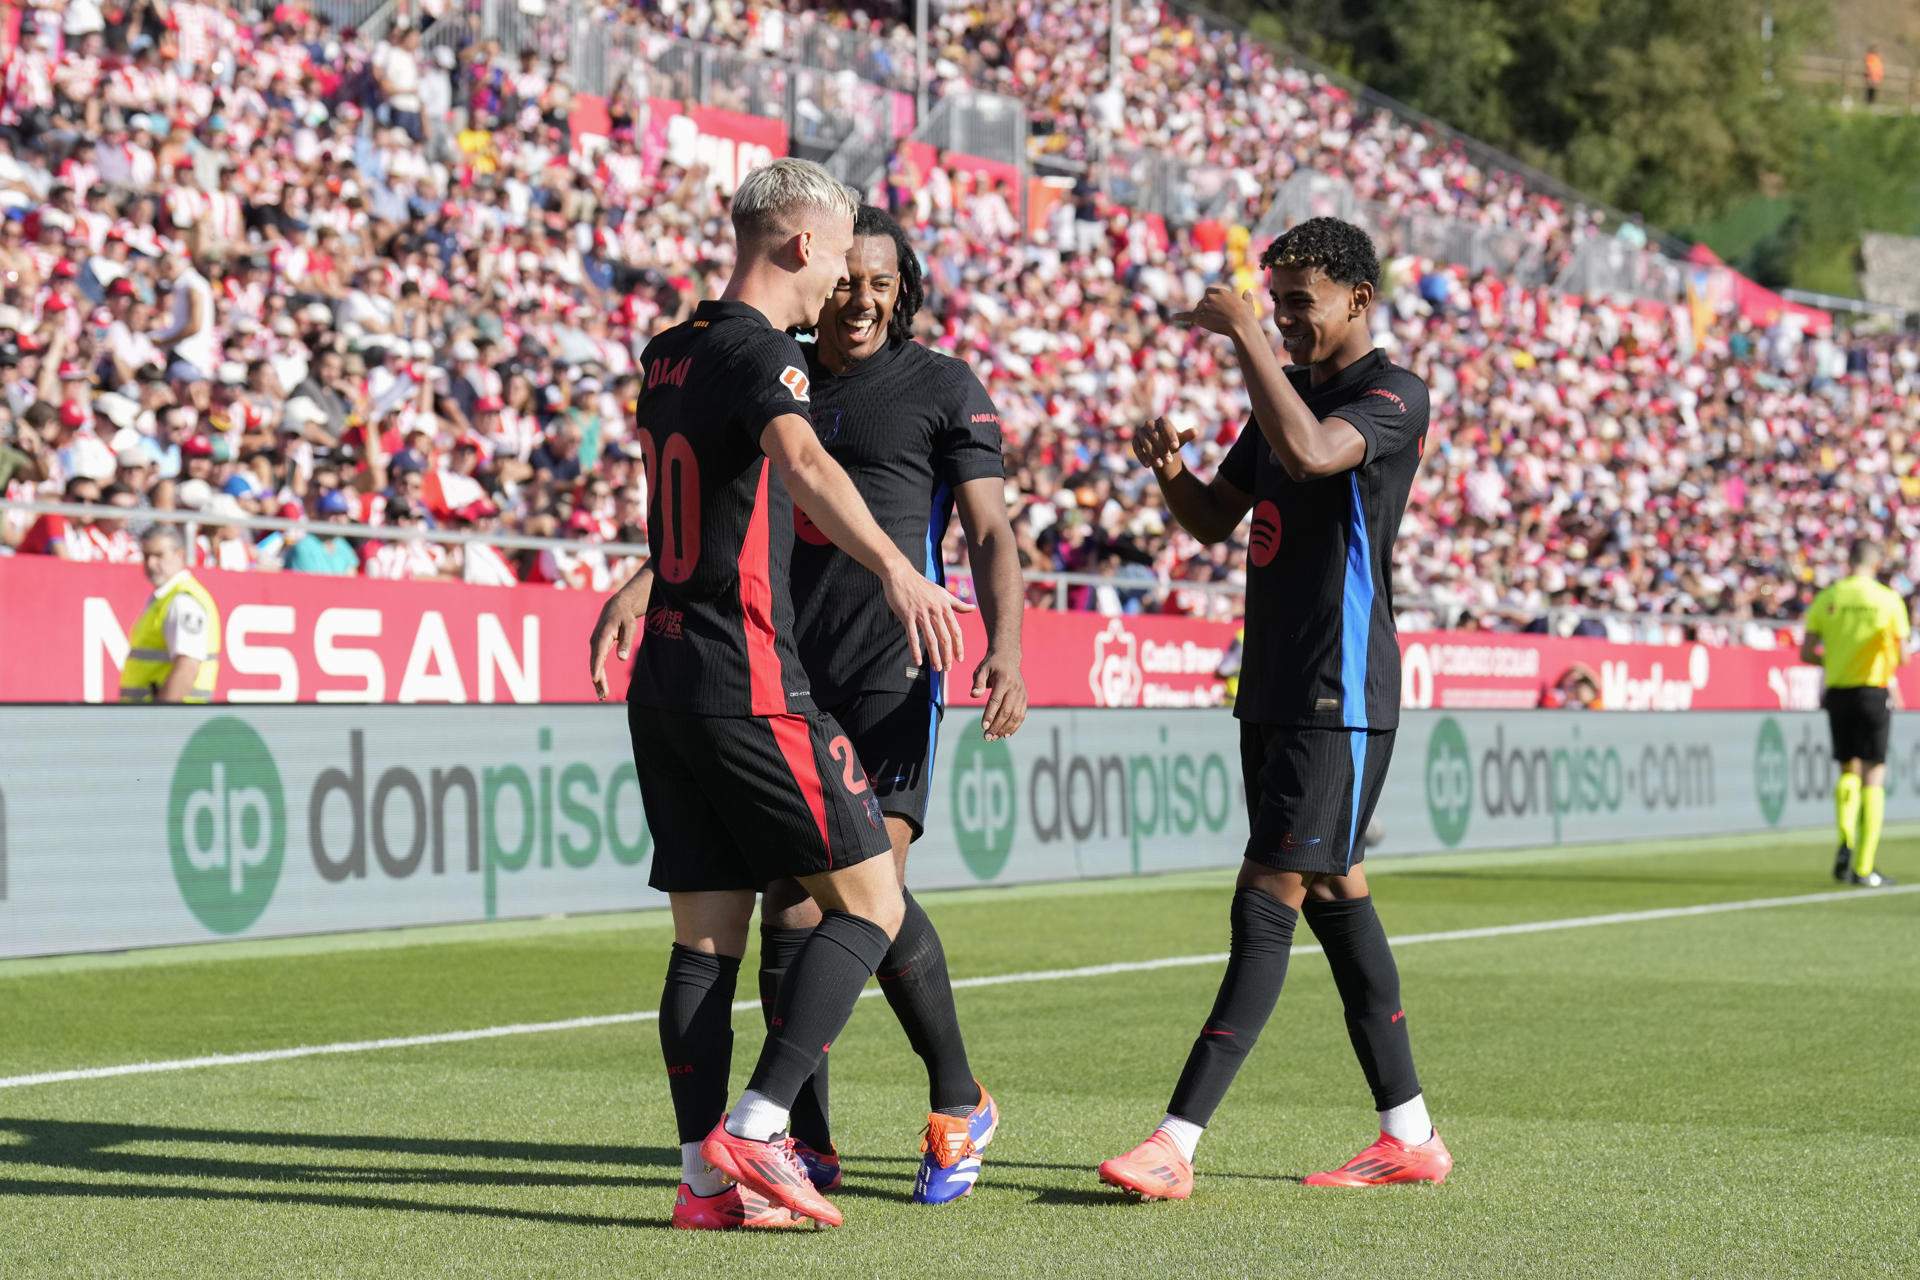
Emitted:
<point x="1770" y="771"/>
<point x="984" y="804"/>
<point x="1449" y="782"/>
<point x="226" y="825"/>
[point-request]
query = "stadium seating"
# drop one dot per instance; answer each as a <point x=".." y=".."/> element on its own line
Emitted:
<point x="398" y="251"/>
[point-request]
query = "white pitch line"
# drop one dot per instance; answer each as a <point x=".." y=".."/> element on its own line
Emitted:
<point x="963" y="984"/>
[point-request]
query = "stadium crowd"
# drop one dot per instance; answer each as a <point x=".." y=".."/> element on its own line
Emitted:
<point x="253" y="263"/>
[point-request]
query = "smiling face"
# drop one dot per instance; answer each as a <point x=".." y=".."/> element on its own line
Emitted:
<point x="828" y="236"/>
<point x="1317" y="316"/>
<point x="853" y="325"/>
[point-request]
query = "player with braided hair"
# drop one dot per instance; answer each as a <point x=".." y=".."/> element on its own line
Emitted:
<point x="918" y="435"/>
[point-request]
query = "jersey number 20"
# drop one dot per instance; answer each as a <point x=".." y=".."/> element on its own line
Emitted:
<point x="674" y="474"/>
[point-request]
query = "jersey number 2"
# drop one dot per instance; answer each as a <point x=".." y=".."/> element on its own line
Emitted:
<point x="674" y="474"/>
<point x="842" y="750"/>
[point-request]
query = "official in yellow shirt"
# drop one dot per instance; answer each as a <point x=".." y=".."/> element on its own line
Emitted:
<point x="1857" y="629"/>
<point x="173" y="654"/>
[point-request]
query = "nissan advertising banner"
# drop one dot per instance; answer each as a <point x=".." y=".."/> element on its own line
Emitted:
<point x="199" y="824"/>
<point x="293" y="637"/>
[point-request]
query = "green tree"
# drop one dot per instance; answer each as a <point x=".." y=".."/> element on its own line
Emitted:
<point x="1660" y="106"/>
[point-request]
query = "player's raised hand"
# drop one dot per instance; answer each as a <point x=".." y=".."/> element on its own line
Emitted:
<point x="931" y="615"/>
<point x="1157" y="445"/>
<point x="1221" y="310"/>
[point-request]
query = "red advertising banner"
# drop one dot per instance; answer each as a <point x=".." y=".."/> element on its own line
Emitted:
<point x="292" y="637"/>
<point x="729" y="143"/>
<point x="1489" y="670"/>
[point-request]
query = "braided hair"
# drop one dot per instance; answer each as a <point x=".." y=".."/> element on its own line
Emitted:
<point x="911" y="292"/>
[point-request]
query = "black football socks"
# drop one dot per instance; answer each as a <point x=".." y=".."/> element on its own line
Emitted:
<point x="913" y="977"/>
<point x="696" y="1037"/>
<point x="1369" y="984"/>
<point x="811" y="1119"/>
<point x="1256" y="969"/>
<point x="816" y="999"/>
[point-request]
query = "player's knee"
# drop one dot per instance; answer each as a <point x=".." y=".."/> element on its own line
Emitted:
<point x="1289" y="887"/>
<point x="1340" y="888"/>
<point x="784" y="904"/>
<point x="887" y="911"/>
<point x="1877" y="775"/>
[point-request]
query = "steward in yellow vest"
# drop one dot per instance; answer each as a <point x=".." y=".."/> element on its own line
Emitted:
<point x="174" y="652"/>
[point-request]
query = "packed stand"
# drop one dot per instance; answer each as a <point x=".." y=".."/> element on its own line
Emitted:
<point x="352" y="283"/>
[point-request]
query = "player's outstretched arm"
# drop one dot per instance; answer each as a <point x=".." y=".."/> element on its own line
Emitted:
<point x="619" y="622"/>
<point x="1209" y="511"/>
<point x="1308" y="447"/>
<point x="982" y="505"/>
<point x="928" y="611"/>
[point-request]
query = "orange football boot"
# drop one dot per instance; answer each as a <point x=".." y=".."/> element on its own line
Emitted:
<point x="1154" y="1170"/>
<point x="733" y="1209"/>
<point x="770" y="1169"/>
<point x="1390" y="1160"/>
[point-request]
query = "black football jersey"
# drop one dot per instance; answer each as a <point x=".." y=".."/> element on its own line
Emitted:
<point x="720" y="627"/>
<point x="1321" y="649"/>
<point x="910" y="426"/>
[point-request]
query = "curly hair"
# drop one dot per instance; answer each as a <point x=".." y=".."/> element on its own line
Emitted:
<point x="1340" y="249"/>
<point x="911" y="292"/>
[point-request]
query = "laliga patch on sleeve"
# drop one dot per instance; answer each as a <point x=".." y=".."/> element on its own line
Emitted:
<point x="795" y="381"/>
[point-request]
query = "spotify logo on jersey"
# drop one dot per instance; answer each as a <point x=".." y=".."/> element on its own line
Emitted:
<point x="226" y="825"/>
<point x="1264" y="542"/>
<point x="985" y="800"/>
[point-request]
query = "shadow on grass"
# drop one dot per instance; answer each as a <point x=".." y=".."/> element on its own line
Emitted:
<point x="283" y="1158"/>
<point x="854" y="1163"/>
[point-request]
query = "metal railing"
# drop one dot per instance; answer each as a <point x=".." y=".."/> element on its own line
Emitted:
<point x="141" y="517"/>
<point x="1656" y="628"/>
<point x="986" y="125"/>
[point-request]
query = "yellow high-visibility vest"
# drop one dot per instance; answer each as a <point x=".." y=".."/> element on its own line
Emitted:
<point x="147" y="658"/>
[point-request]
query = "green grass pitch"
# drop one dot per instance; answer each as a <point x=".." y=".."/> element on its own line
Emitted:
<point x="1724" y="1094"/>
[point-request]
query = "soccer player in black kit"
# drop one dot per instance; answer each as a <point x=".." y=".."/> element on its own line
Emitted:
<point x="1324" y="465"/>
<point x="919" y="436"/>
<point x="745" y="780"/>
<point x="920" y="439"/>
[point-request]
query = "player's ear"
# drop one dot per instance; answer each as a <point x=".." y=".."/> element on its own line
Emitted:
<point x="803" y="246"/>
<point x="1362" y="297"/>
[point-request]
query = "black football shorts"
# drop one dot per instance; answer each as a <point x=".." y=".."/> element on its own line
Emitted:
<point x="1311" y="793"/>
<point x="895" y="735"/>
<point x="1862" y="722"/>
<point x="734" y="802"/>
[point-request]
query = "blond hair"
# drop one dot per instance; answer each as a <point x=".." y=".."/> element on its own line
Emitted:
<point x="770" y="200"/>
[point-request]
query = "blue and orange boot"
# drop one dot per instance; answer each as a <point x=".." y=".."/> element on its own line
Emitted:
<point x="1389" y="1160"/>
<point x="823" y="1167"/>
<point x="952" y="1147"/>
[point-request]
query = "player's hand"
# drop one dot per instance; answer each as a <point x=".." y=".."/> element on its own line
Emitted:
<point x="1222" y="311"/>
<point x="931" y="615"/>
<point x="999" y="674"/>
<point x="619" y="623"/>
<point x="1157" y="445"/>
